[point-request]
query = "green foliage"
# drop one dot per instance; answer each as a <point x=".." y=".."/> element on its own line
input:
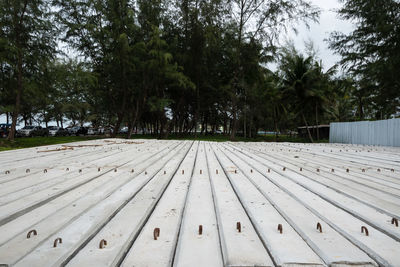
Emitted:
<point x="305" y="87"/>
<point x="371" y="52"/>
<point x="186" y="67"/>
<point x="27" y="42"/>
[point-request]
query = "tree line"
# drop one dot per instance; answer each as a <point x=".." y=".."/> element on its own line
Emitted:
<point x="182" y="65"/>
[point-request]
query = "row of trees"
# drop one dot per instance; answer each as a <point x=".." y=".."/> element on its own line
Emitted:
<point x="182" y="65"/>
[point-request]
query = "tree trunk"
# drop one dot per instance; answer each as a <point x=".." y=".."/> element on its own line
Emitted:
<point x="11" y="135"/>
<point x="117" y="125"/>
<point x="133" y="122"/>
<point x="250" y="126"/>
<point x="234" y="120"/>
<point x="308" y="130"/>
<point x="316" y="119"/>
<point x="244" y="118"/>
<point x="276" y="124"/>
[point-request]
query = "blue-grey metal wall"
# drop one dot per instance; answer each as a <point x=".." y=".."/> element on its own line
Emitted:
<point x="383" y="133"/>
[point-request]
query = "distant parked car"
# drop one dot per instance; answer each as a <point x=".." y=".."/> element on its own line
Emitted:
<point x="4" y="129"/>
<point x="77" y="130"/>
<point x="106" y="130"/>
<point x="57" y="131"/>
<point x="72" y="130"/>
<point x="123" y="130"/>
<point x="82" y="131"/>
<point x="30" y="131"/>
<point x="92" y="131"/>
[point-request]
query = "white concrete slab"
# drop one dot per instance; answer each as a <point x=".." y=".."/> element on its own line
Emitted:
<point x="240" y="248"/>
<point x="303" y="220"/>
<point x="194" y="248"/>
<point x="251" y="187"/>
<point x="377" y="245"/>
<point x="167" y="216"/>
<point x="286" y="249"/>
<point x="79" y="228"/>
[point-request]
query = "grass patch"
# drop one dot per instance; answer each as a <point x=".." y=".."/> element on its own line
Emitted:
<point x="25" y="142"/>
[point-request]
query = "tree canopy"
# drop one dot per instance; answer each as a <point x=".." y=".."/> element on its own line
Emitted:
<point x="193" y="66"/>
<point x="371" y="54"/>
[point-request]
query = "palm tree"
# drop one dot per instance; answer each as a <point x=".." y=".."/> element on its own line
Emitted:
<point x="297" y="74"/>
<point x="304" y="85"/>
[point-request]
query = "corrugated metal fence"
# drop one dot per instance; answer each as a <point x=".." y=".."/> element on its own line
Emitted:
<point x="383" y="133"/>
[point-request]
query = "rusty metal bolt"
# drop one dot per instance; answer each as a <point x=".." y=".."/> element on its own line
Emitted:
<point x="239" y="227"/>
<point x="200" y="229"/>
<point x="319" y="227"/>
<point x="28" y="171"/>
<point x="363" y="228"/>
<point x="33" y="231"/>
<point x="156" y="233"/>
<point x="103" y="243"/>
<point x="395" y="222"/>
<point x="45" y="170"/>
<point x="58" y="239"/>
<point x="280" y="229"/>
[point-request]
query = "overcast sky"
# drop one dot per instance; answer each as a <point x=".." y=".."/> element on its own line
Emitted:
<point x="328" y="22"/>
